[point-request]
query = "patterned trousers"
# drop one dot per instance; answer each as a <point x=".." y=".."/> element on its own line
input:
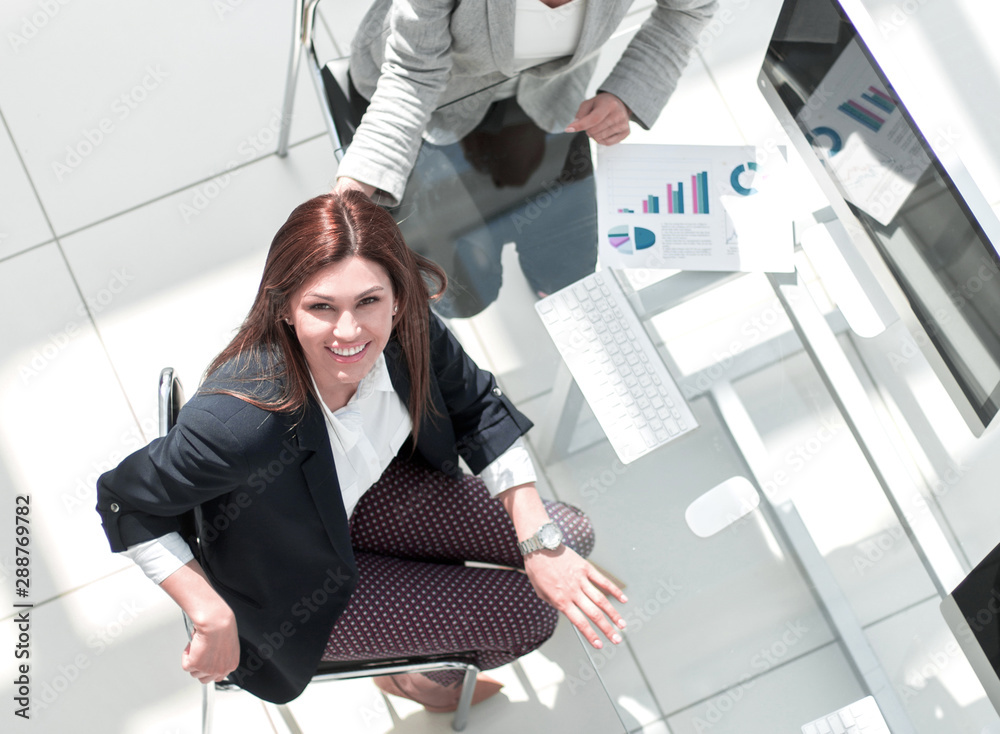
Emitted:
<point x="411" y="533"/>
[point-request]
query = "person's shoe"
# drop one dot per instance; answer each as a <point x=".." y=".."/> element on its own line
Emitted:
<point x="433" y="696"/>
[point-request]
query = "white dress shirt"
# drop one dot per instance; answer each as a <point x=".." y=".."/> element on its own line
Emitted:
<point x="365" y="436"/>
<point x="542" y="33"/>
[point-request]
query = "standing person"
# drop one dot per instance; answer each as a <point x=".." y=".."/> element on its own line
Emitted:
<point x="498" y="87"/>
<point x="431" y="69"/>
<point x="323" y="451"/>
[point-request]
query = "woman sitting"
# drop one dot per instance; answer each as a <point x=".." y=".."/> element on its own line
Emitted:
<point x="323" y="449"/>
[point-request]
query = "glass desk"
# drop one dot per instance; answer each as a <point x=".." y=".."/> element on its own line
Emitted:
<point x="829" y="590"/>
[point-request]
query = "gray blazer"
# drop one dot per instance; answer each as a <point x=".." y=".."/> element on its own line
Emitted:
<point x="431" y="69"/>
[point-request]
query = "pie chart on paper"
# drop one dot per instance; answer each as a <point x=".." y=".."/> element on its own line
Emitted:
<point x="619" y="239"/>
<point x="626" y="240"/>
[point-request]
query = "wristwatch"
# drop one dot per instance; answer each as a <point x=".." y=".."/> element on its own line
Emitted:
<point x="549" y="537"/>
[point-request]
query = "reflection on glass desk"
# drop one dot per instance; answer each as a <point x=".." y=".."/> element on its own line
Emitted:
<point x="508" y="181"/>
<point x="816" y="597"/>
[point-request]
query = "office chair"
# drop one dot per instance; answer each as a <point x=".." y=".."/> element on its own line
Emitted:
<point x="330" y="80"/>
<point x="171" y="398"/>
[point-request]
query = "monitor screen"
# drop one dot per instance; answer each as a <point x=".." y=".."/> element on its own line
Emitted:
<point x="888" y="174"/>
<point x="972" y="611"/>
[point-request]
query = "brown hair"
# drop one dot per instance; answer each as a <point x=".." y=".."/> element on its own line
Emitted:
<point x="325" y="230"/>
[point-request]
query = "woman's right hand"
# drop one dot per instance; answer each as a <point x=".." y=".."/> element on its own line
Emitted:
<point x="345" y="183"/>
<point x="214" y="649"/>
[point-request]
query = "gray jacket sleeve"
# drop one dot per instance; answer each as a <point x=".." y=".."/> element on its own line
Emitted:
<point x="649" y="70"/>
<point x="415" y="72"/>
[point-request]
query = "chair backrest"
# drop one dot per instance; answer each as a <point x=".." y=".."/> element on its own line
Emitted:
<point x="171" y="398"/>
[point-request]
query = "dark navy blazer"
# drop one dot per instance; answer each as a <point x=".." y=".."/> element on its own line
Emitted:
<point x="274" y="538"/>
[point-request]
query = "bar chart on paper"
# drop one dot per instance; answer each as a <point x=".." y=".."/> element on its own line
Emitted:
<point x="635" y="191"/>
<point x="670" y="206"/>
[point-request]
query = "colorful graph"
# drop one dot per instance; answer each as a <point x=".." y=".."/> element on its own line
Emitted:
<point x="697" y="196"/>
<point x="619" y="239"/>
<point x="734" y="178"/>
<point x="836" y="144"/>
<point x="680" y="199"/>
<point x="644" y="238"/>
<point x="873" y="119"/>
<point x="627" y="243"/>
<point x="675" y="198"/>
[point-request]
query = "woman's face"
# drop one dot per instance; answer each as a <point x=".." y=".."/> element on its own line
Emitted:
<point x="343" y="319"/>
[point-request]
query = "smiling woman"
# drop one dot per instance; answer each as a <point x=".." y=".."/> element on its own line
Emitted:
<point x="343" y="318"/>
<point x="335" y="421"/>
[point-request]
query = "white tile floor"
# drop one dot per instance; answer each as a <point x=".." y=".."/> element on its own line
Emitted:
<point x="138" y="194"/>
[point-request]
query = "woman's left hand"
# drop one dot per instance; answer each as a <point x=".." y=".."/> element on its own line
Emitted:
<point x="577" y="589"/>
<point x="604" y="117"/>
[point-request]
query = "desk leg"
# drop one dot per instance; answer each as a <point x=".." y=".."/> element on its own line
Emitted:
<point x="555" y="429"/>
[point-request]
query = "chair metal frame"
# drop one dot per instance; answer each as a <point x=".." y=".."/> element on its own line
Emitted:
<point x="304" y="48"/>
<point x="171" y="398"/>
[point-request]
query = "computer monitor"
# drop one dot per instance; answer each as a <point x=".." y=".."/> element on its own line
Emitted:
<point x="972" y="611"/>
<point x="911" y="215"/>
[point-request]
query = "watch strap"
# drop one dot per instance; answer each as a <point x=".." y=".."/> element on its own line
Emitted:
<point x="530" y="545"/>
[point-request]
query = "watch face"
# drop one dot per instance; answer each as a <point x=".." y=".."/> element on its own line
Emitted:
<point x="550" y="535"/>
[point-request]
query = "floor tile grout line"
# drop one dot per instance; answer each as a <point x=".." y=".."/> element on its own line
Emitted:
<point x="645" y="680"/>
<point x="834" y="641"/>
<point x="752" y="679"/>
<point x="103" y="220"/>
<point x="27" y="175"/>
<point x="26" y="250"/>
<point x="67" y="592"/>
<point x="69" y="270"/>
<point x="186" y="187"/>
<point x="329" y="33"/>
<point x="907" y="608"/>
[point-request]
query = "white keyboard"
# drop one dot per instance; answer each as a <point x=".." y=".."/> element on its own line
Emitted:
<point x="860" y="717"/>
<point x="614" y="362"/>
